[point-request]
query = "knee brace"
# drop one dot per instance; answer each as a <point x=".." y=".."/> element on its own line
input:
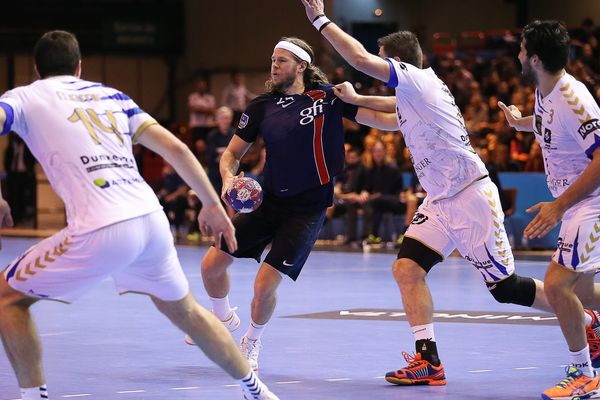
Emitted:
<point x="514" y="289"/>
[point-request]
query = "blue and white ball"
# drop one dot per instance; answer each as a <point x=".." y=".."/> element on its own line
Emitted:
<point x="244" y="195"/>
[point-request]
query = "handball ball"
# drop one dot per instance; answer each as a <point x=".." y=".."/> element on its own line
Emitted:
<point x="244" y="195"/>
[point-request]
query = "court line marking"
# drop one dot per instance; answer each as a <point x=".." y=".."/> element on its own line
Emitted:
<point x="522" y="368"/>
<point x="476" y="371"/>
<point x="131" y="391"/>
<point x="56" y="333"/>
<point x="76" y="395"/>
<point x="338" y="379"/>
<point x="186" y="388"/>
<point x="287" y="382"/>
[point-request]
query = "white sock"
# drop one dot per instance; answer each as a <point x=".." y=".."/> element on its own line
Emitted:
<point x="423" y="332"/>
<point x="34" y="393"/>
<point x="587" y="319"/>
<point x="253" y="384"/>
<point x="254" y="330"/>
<point x="581" y="360"/>
<point x="221" y="307"/>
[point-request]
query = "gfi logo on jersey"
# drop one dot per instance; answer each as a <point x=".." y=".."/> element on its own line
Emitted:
<point x="588" y="127"/>
<point x="310" y="113"/>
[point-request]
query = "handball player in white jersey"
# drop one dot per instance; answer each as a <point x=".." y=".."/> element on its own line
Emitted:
<point x="81" y="132"/>
<point x="566" y="124"/>
<point x="462" y="209"/>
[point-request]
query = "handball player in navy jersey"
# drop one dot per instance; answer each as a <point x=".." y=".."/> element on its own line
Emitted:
<point x="300" y="120"/>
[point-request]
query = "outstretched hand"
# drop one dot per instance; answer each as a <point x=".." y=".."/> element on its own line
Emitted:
<point x="5" y="217"/>
<point x="213" y="220"/>
<point x="512" y="114"/>
<point x="345" y="91"/>
<point x="549" y="215"/>
<point x="313" y="8"/>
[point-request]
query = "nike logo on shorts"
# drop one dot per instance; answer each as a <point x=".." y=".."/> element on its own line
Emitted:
<point x="287" y="264"/>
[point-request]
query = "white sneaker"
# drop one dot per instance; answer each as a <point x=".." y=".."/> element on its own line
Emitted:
<point x="232" y="323"/>
<point x="263" y="395"/>
<point x="250" y="349"/>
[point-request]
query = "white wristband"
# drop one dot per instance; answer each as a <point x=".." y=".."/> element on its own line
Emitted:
<point x="320" y="21"/>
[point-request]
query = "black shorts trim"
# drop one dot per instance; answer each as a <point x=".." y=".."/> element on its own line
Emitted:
<point x="420" y="253"/>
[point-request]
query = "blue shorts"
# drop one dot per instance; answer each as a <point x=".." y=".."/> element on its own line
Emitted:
<point x="291" y="232"/>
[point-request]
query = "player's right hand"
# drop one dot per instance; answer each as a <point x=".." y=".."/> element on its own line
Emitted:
<point x="5" y="217"/>
<point x="511" y="113"/>
<point x="345" y="91"/>
<point x="227" y="184"/>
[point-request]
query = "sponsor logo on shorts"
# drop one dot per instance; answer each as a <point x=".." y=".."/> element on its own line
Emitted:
<point x="103" y="183"/>
<point x="588" y="127"/>
<point x="478" y="263"/>
<point x="564" y="246"/>
<point x="288" y="264"/>
<point x="243" y="121"/>
<point x="419" y="218"/>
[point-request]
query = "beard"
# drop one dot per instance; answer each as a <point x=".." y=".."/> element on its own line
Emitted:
<point x="283" y="85"/>
<point x="528" y="73"/>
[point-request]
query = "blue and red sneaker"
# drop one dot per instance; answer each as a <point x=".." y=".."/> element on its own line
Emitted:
<point x="592" y="332"/>
<point x="417" y="372"/>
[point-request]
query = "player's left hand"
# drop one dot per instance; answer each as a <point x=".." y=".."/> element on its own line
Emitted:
<point x="213" y="220"/>
<point x="549" y="215"/>
<point x="313" y="8"/>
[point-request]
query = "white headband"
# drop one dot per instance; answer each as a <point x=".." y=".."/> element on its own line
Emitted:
<point x="294" y="49"/>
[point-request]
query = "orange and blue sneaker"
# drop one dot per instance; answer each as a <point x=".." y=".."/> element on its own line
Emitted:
<point x="417" y="372"/>
<point x="576" y="386"/>
<point x="592" y="333"/>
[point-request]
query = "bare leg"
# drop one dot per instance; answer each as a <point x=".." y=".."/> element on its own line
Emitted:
<point x="207" y="332"/>
<point x="19" y="336"/>
<point x="541" y="302"/>
<point x="588" y="291"/>
<point x="214" y="272"/>
<point x="265" y="293"/>
<point x="416" y="297"/>
<point x="560" y="291"/>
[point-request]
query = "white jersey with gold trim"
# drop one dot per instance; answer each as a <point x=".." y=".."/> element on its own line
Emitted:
<point x="567" y="127"/>
<point x="81" y="133"/>
<point x="434" y="131"/>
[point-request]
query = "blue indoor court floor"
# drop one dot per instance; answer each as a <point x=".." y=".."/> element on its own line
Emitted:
<point x="333" y="336"/>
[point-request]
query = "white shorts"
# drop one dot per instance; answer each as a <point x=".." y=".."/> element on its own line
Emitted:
<point x="138" y="254"/>
<point x="472" y="221"/>
<point x="578" y="246"/>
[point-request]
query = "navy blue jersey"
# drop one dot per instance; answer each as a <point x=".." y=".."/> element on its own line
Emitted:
<point x="304" y="140"/>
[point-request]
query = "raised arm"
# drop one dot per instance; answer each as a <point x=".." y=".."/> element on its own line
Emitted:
<point x="348" y="47"/>
<point x="212" y="215"/>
